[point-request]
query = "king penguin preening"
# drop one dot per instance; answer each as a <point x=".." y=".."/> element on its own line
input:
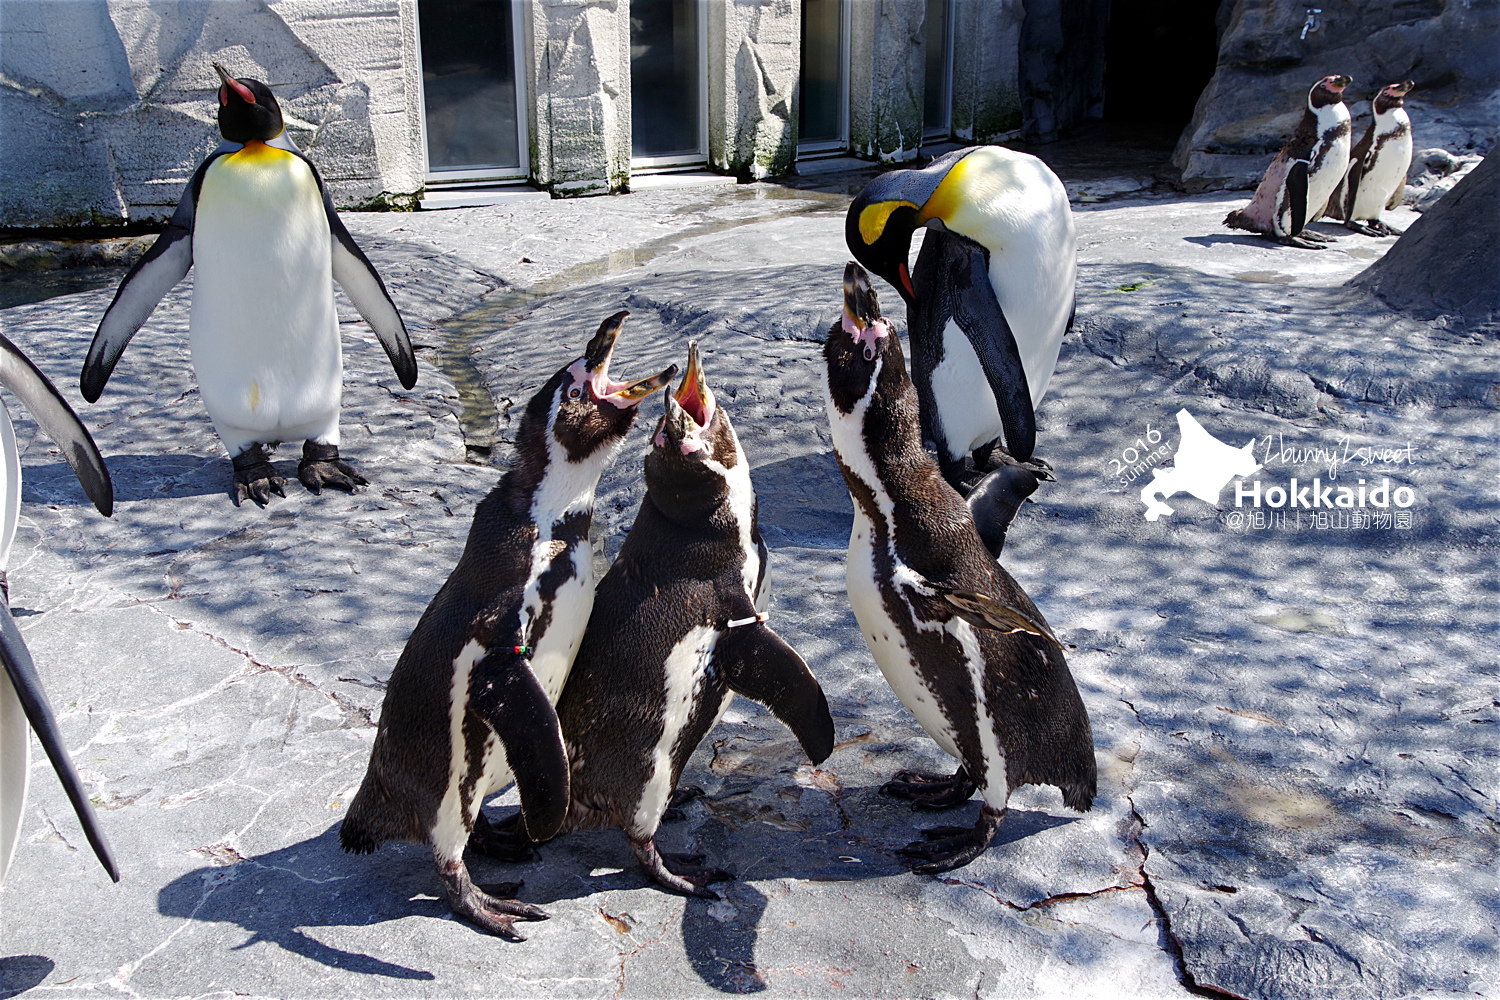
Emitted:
<point x="469" y="704"/>
<point x="990" y="299"/>
<point x="1302" y="177"/>
<point x="260" y="227"/>
<point x="958" y="640"/>
<point x="1377" y="166"/>
<point x="678" y="628"/>
<point x="23" y="704"/>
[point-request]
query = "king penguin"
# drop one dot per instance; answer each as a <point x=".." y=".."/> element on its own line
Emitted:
<point x="258" y="223"/>
<point x="1302" y="177"/>
<point x="1377" y="167"/>
<point x="470" y="702"/>
<point x="958" y="640"/>
<point x="989" y="301"/>
<point x="23" y="703"/>
<point x="678" y="628"/>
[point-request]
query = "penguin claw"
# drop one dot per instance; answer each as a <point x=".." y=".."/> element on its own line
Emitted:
<point x="321" y="466"/>
<point x="255" y="477"/>
<point x="948" y="847"/>
<point x="931" y="791"/>
<point x="680" y="873"/>
<point x="496" y="914"/>
<point x="1300" y="243"/>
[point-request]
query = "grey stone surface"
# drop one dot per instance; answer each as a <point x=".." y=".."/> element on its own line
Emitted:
<point x="1266" y="66"/>
<point x="110" y="107"/>
<point x="1295" y="726"/>
<point x="986" y="100"/>
<point x="754" y="60"/>
<point x="1433" y="173"/>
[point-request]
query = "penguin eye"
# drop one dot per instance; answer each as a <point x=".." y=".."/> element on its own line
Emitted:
<point x="869" y="352"/>
<point x="575" y="392"/>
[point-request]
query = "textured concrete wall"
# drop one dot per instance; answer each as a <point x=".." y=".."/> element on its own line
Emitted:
<point x="754" y="59"/>
<point x="886" y="78"/>
<point x="986" y="69"/>
<point x="579" y="80"/>
<point x="1252" y="104"/>
<point x="106" y="109"/>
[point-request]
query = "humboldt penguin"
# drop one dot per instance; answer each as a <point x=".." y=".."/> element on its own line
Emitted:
<point x="989" y="301"/>
<point x="958" y="640"/>
<point x="678" y="628"/>
<point x="23" y="703"/>
<point x="259" y="225"/>
<point x="1300" y="180"/>
<point x="469" y="705"/>
<point x="1377" y="167"/>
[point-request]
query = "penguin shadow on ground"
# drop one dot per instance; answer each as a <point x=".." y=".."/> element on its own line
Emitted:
<point x="1338" y="233"/>
<point x="136" y="477"/>
<point x="19" y="973"/>
<point x="312" y="883"/>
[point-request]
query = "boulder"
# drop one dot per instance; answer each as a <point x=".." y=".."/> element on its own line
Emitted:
<point x="1448" y="262"/>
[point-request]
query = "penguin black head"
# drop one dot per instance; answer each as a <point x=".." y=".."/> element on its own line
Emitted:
<point x="1392" y="96"/>
<point x="881" y="220"/>
<point x="593" y="413"/>
<point x="861" y="345"/>
<point x="1329" y="90"/>
<point x="248" y="111"/>
<point x="693" y="448"/>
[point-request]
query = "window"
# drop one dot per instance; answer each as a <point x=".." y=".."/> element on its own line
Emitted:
<point x="823" y="121"/>
<point x="937" y="103"/>
<point x="473" y="115"/>
<point x="668" y="95"/>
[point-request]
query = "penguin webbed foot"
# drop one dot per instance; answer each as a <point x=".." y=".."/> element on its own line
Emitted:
<point x="255" y="477"/>
<point x="490" y="908"/>
<point x="321" y="466"/>
<point x="503" y="841"/>
<point x="1300" y="243"/>
<point x="928" y="791"/>
<point x="684" y="874"/>
<point x="1375" y="227"/>
<point x="1314" y="236"/>
<point x="681" y="796"/>
<point x="948" y="847"/>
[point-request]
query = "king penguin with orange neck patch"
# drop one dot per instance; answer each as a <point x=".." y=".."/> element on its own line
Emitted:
<point x="987" y="306"/>
<point x="259" y="226"/>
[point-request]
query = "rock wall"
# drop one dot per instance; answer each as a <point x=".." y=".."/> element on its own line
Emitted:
<point x="107" y="109"/>
<point x="986" y="70"/>
<point x="887" y="79"/>
<point x="579" y="80"/>
<point x="1253" y="102"/>
<point x="754" y="57"/>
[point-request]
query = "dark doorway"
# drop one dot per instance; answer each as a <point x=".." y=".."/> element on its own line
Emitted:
<point x="1160" y="55"/>
<point x="469" y="85"/>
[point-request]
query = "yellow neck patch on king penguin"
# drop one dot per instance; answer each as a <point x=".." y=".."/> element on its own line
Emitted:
<point x="873" y="218"/>
<point x="950" y="194"/>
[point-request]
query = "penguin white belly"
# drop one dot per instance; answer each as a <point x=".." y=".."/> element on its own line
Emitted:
<point x="886" y="640"/>
<point x="684" y="670"/>
<point x="1381" y="180"/>
<point x="263" y="331"/>
<point x="1328" y="169"/>
<point x="1034" y="277"/>
<point x="966" y="407"/>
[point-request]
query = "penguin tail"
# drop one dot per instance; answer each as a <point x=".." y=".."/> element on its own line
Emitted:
<point x="374" y="818"/>
<point x="1079" y="796"/>
<point x="1237" y="220"/>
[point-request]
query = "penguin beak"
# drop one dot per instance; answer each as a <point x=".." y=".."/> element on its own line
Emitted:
<point x="596" y="364"/>
<point x="862" y="319"/>
<point x="693" y="395"/>
<point x="1338" y="83"/>
<point x="882" y="219"/>
<point x="1401" y="89"/>
<point x="230" y="83"/>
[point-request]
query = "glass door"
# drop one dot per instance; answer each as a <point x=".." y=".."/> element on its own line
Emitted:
<point x="668" y="92"/>
<point x="474" y="124"/>
<point x="937" y="104"/>
<point x="823" y="117"/>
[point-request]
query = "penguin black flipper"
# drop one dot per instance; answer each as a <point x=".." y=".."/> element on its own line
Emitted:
<point x="977" y="312"/>
<point x="759" y="664"/>
<point x="144" y="285"/>
<point x="362" y="283"/>
<point x="58" y="421"/>
<point x="1296" y="187"/>
<point x="28" y="687"/>
<point x="507" y="696"/>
